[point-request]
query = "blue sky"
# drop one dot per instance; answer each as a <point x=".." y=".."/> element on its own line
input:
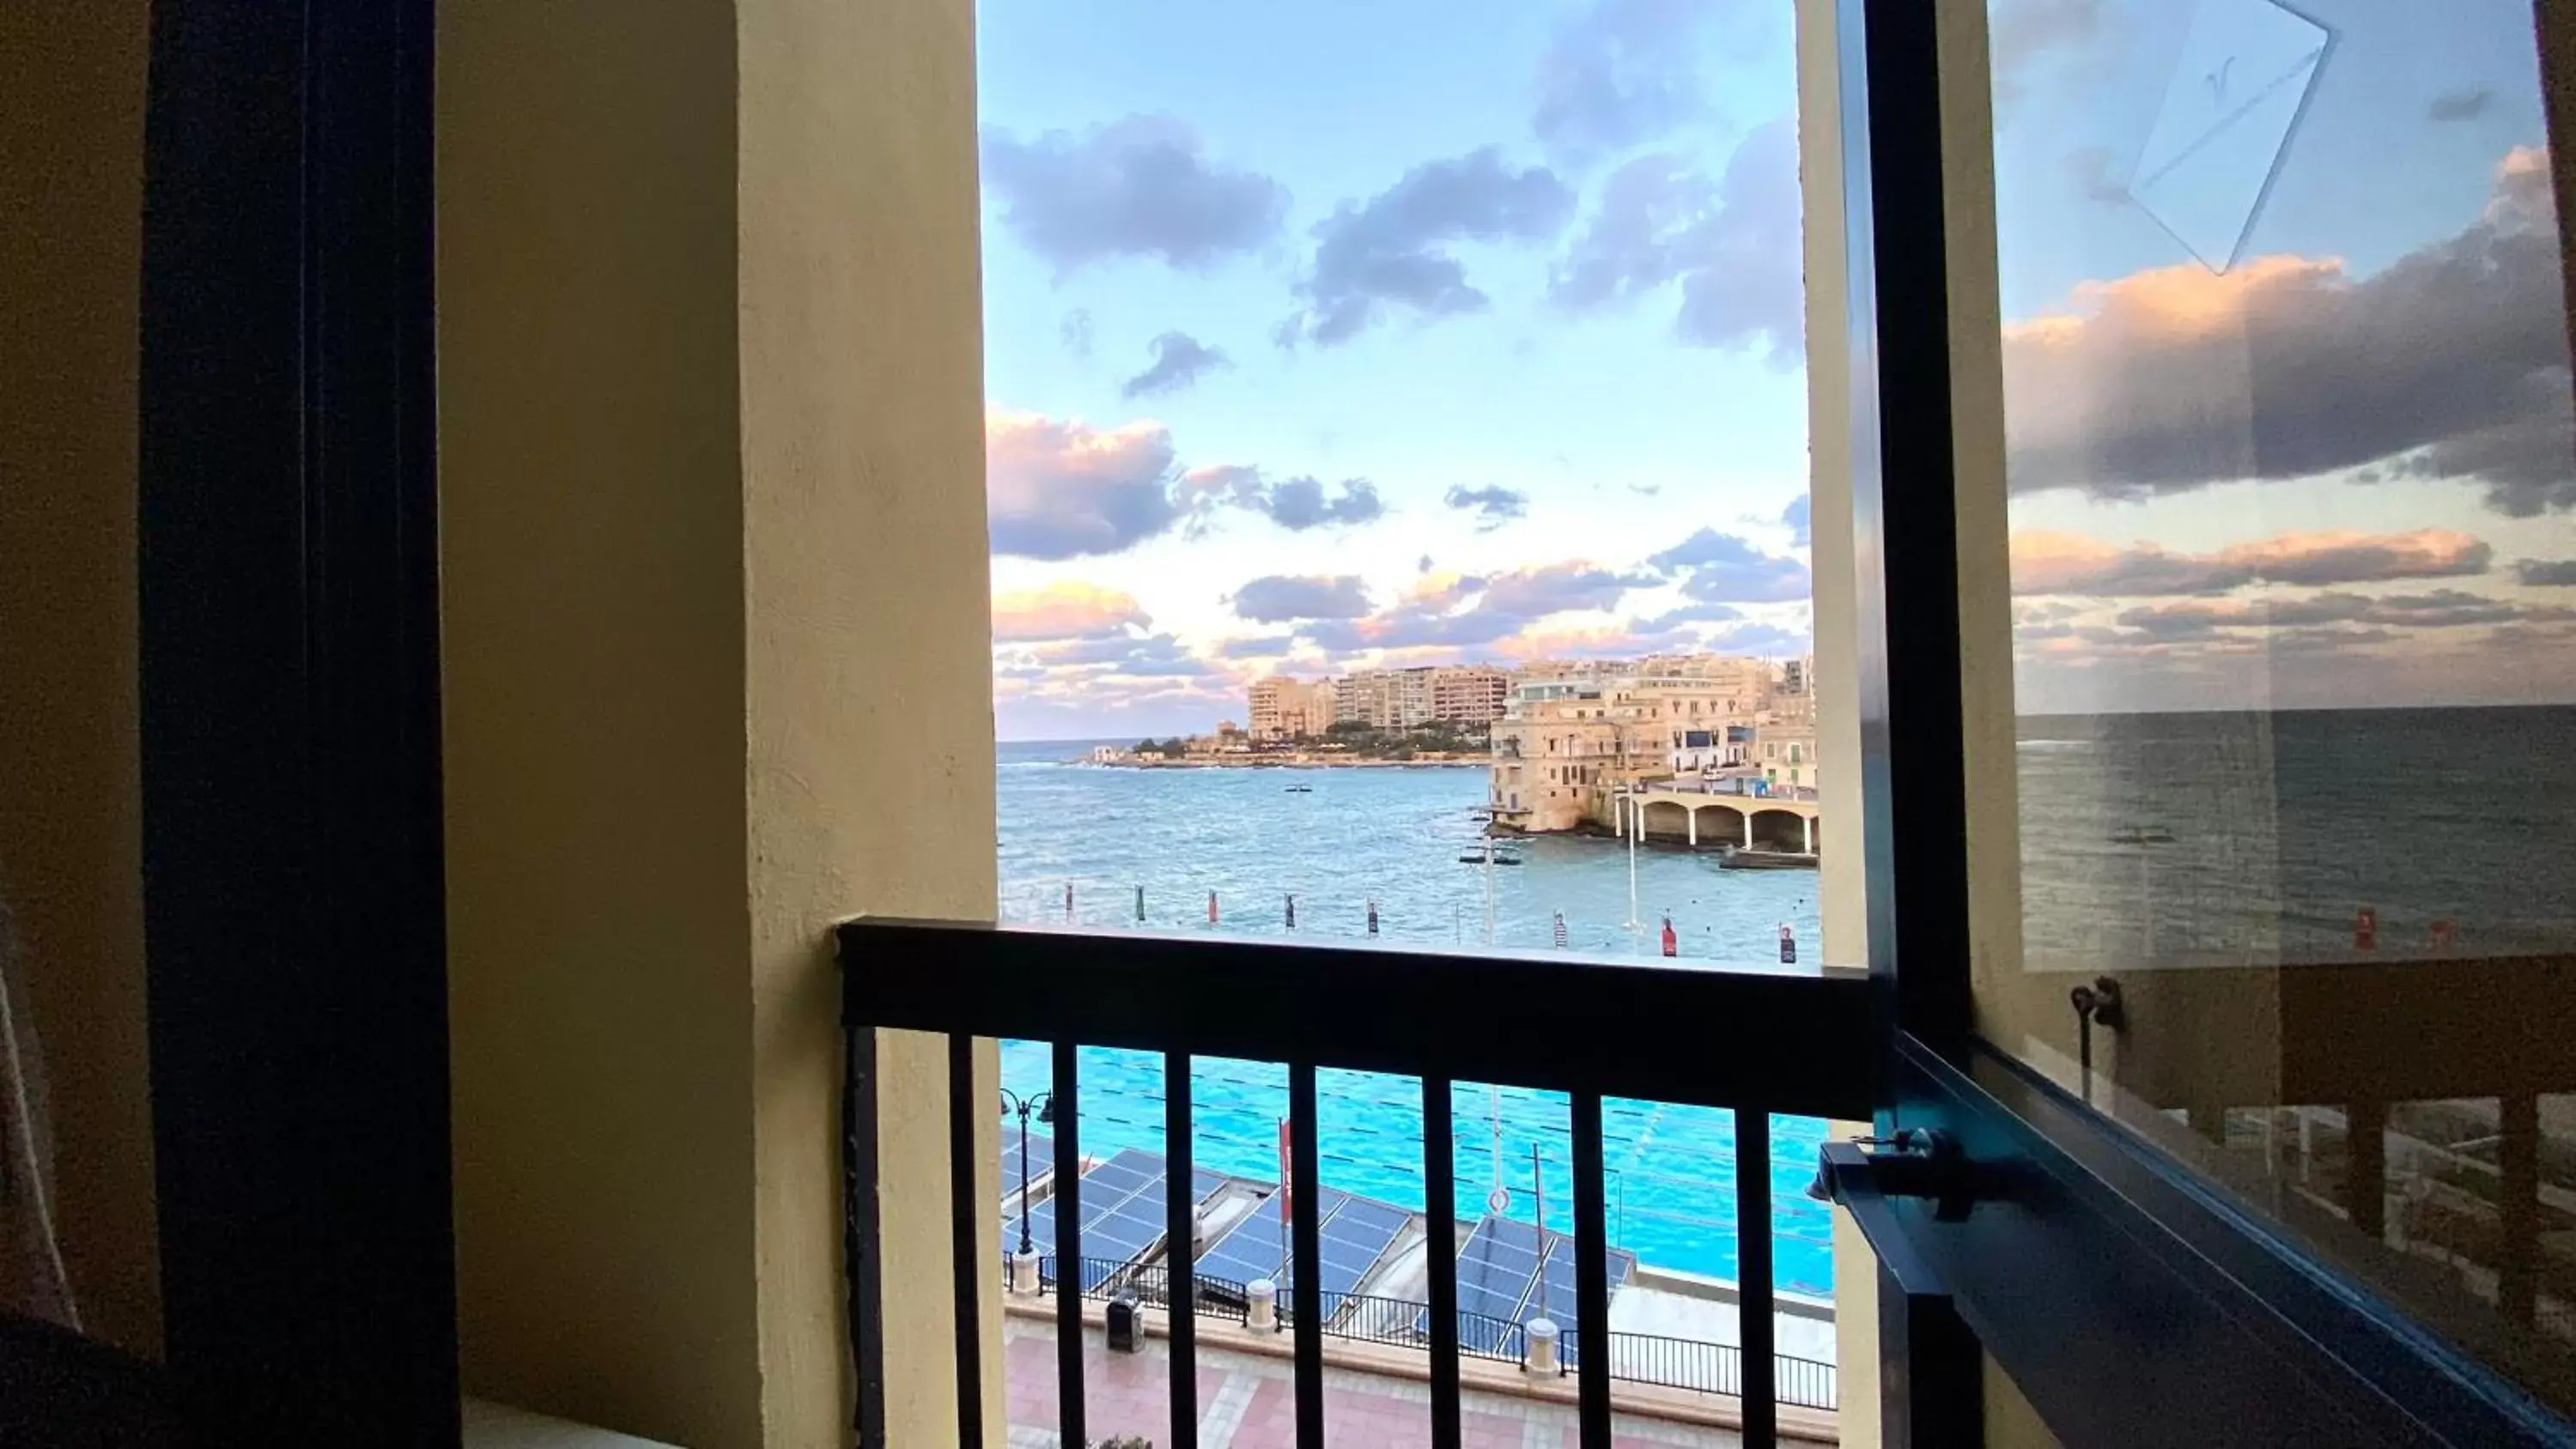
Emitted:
<point x="1408" y="190"/>
<point x="1343" y="334"/>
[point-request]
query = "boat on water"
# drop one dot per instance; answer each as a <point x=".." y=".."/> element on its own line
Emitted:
<point x="1742" y="859"/>
<point x="2137" y="836"/>
<point x="1301" y="789"/>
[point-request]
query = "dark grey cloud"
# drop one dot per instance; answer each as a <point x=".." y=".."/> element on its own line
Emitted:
<point x="1617" y="73"/>
<point x="1423" y="564"/>
<point x="2051" y="563"/>
<point x="2451" y="362"/>
<point x="1766" y="639"/>
<point x="2544" y="573"/>
<point x="1298" y="503"/>
<point x="2440" y="609"/>
<point x="1387" y="253"/>
<point x="1720" y="568"/>
<point x="1301" y="503"/>
<point x="1058" y="489"/>
<point x="1794" y="518"/>
<point x="1691" y="614"/>
<point x="1285" y="598"/>
<point x="2465" y="104"/>
<point x="1535" y="593"/>
<point x="2095" y="175"/>
<point x="1140" y="186"/>
<point x="1179" y="361"/>
<point x="1734" y="245"/>
<point x="1493" y="507"/>
<point x="1480" y="609"/>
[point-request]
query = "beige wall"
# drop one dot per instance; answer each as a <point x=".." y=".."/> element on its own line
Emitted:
<point x="71" y="193"/>
<point x="709" y="361"/>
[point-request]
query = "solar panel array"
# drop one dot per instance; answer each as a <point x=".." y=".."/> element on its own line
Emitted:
<point x="1508" y="1274"/>
<point x="1123" y="1204"/>
<point x="1353" y="1233"/>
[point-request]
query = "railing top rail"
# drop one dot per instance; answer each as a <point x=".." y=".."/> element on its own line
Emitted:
<point x="1788" y="1039"/>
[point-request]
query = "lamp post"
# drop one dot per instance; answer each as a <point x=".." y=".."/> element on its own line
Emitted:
<point x="1042" y="1104"/>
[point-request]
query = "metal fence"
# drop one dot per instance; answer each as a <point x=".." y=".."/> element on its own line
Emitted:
<point x="1637" y="1358"/>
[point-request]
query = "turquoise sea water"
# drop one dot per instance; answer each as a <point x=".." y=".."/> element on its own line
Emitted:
<point x="1394" y="836"/>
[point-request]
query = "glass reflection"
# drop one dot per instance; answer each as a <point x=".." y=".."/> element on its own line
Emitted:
<point x="2291" y="466"/>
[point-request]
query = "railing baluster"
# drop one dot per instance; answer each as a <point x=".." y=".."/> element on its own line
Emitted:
<point x="1753" y="1275"/>
<point x="966" y="1240"/>
<point x="1069" y="1272"/>
<point x="1440" y="1254"/>
<point x="1591" y="1276"/>
<point x="1180" y="1269"/>
<point x="1307" y="1250"/>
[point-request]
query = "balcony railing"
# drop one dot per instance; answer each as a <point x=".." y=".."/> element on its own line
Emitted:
<point x="1758" y="1040"/>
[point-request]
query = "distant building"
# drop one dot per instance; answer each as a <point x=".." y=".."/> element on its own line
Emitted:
<point x="1291" y="709"/>
<point x="1471" y="695"/>
<point x="1386" y="699"/>
<point x="1554" y="748"/>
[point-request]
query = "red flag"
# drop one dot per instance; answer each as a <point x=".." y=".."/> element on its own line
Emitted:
<point x="1285" y="1191"/>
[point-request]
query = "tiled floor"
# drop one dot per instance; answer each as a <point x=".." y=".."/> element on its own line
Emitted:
<point x="1248" y="1401"/>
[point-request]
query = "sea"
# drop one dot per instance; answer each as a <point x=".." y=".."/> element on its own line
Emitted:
<point x="2176" y="838"/>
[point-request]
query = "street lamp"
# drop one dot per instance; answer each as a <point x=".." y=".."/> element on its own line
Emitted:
<point x="1043" y="1104"/>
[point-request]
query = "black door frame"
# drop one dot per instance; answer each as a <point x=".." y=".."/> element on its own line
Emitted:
<point x="293" y="894"/>
<point x="2130" y="1301"/>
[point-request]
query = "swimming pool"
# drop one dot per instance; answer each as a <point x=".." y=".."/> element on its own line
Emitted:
<point x="1671" y="1185"/>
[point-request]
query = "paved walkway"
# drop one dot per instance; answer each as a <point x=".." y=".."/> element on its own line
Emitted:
<point x="1248" y="1401"/>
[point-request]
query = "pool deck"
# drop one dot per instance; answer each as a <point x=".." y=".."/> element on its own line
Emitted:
<point x="1373" y="1395"/>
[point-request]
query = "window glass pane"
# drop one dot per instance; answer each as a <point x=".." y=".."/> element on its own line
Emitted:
<point x="1397" y="465"/>
<point x="2287" y="421"/>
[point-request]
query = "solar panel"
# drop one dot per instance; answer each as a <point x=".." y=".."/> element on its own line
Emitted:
<point x="1123" y="1202"/>
<point x="1503" y="1283"/>
<point x="1251" y="1248"/>
<point x="1354" y="1238"/>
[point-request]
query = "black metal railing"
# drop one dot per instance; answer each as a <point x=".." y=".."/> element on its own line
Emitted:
<point x="1759" y="1040"/>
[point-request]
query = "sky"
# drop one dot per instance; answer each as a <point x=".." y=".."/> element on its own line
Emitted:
<point x="1339" y="335"/>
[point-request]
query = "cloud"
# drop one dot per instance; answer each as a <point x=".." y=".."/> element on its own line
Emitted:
<point x="1556" y="588"/>
<point x="1140" y="186"/>
<point x="1296" y="504"/>
<point x="1423" y="564"/>
<point x="2441" y="609"/>
<point x="2541" y="573"/>
<point x="1179" y="361"/>
<point x="1155" y="656"/>
<point x="1066" y="611"/>
<point x="1493" y="507"/>
<point x="1618" y="73"/>
<point x="1720" y="568"/>
<point x="1075" y="330"/>
<point x="1477" y="610"/>
<point x="2095" y="175"/>
<point x="1258" y="646"/>
<point x="1735" y="246"/>
<point x="2067" y="563"/>
<point x="1755" y="638"/>
<point x="2451" y="362"/>
<point x="1387" y="252"/>
<point x="1691" y="614"/>
<point x="1794" y="518"/>
<point x="2466" y="104"/>
<point x="1061" y="489"/>
<point x="2023" y="34"/>
<point x="1283" y="598"/>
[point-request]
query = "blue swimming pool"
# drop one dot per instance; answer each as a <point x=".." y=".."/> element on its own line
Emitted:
<point x="1671" y="1188"/>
